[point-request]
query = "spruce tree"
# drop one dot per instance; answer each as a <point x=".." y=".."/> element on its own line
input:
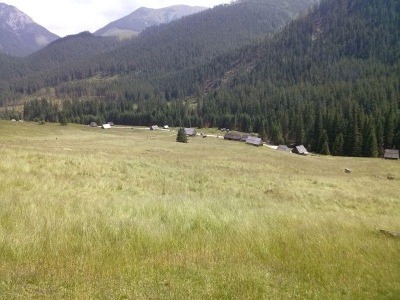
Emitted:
<point x="337" y="149"/>
<point x="181" y="136"/>
<point x="324" y="143"/>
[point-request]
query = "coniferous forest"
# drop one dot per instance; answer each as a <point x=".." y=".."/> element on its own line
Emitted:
<point x="329" y="79"/>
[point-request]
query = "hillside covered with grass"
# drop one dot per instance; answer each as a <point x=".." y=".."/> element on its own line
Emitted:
<point x="129" y="213"/>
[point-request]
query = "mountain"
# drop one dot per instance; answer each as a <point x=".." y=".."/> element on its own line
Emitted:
<point x="328" y="80"/>
<point x="159" y="51"/>
<point x="19" y="34"/>
<point x="144" y="17"/>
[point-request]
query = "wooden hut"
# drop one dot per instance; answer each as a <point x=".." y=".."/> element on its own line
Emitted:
<point x="391" y="154"/>
<point x="300" y="150"/>
<point x="255" y="141"/>
<point x="190" y="131"/>
<point x="154" y="127"/>
<point x="93" y="124"/>
<point x="232" y="136"/>
<point x="245" y="137"/>
<point x="283" y="148"/>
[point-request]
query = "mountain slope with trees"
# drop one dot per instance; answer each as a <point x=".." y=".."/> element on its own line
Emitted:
<point x="162" y="49"/>
<point x="329" y="80"/>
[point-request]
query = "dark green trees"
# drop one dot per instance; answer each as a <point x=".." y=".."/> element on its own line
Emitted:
<point x="181" y="136"/>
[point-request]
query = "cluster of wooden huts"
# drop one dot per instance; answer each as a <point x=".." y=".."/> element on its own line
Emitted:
<point x="248" y="138"/>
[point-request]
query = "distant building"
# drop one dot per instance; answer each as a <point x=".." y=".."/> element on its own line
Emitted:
<point x="255" y="141"/>
<point x="154" y="127"/>
<point x="13" y="120"/>
<point x="93" y="124"/>
<point x="190" y="131"/>
<point x="111" y="123"/>
<point x="232" y="136"/>
<point x="106" y="126"/>
<point x="166" y="127"/>
<point x="283" y="148"/>
<point x="245" y="137"/>
<point x="391" y="154"/>
<point x="300" y="150"/>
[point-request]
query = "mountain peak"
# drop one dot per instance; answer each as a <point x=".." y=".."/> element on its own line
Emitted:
<point x="145" y="17"/>
<point x="19" y="34"/>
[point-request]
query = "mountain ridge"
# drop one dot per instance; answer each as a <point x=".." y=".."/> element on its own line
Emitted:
<point x="144" y="17"/>
<point x="19" y="34"/>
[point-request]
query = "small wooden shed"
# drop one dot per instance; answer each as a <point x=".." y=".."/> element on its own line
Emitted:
<point x="190" y="131"/>
<point x="93" y="124"/>
<point x="283" y="148"/>
<point x="154" y="127"/>
<point x="255" y="141"/>
<point x="232" y="136"/>
<point x="391" y="154"/>
<point x="245" y="137"/>
<point x="300" y="150"/>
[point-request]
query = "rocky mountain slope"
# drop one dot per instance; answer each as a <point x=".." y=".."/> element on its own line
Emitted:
<point x="144" y="17"/>
<point x="19" y="34"/>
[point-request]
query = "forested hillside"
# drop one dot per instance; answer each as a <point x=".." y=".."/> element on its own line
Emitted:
<point x="157" y="52"/>
<point x="329" y="80"/>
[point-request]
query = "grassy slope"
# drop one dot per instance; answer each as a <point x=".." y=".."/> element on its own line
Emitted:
<point x="88" y="213"/>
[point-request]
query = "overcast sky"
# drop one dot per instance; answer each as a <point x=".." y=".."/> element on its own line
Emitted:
<point x="64" y="17"/>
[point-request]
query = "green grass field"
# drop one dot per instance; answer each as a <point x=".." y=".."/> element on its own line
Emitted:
<point x="130" y="214"/>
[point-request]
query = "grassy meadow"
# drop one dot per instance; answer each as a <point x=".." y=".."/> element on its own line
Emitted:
<point x="87" y="213"/>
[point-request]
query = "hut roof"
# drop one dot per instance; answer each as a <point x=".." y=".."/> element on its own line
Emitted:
<point x="154" y="127"/>
<point x="232" y="136"/>
<point x="190" y="131"/>
<point x="253" y="140"/>
<point x="245" y="137"/>
<point x="300" y="150"/>
<point x="283" y="148"/>
<point x="106" y="126"/>
<point x="93" y="124"/>
<point x="391" y="154"/>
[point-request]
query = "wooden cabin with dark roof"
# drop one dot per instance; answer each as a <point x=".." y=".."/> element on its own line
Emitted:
<point x="245" y="137"/>
<point x="190" y="131"/>
<point x="232" y="136"/>
<point x="283" y="148"/>
<point x="300" y="150"/>
<point x="93" y="124"/>
<point x="255" y="141"/>
<point x="391" y="154"/>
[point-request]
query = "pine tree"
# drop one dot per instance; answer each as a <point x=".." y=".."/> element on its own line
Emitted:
<point x="262" y="133"/>
<point x="371" y="144"/>
<point x="324" y="143"/>
<point x="181" y="136"/>
<point x="337" y="149"/>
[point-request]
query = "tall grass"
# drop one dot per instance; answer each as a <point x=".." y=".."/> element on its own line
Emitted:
<point x="87" y="213"/>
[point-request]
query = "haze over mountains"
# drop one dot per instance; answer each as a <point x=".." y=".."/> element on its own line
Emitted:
<point x="19" y="34"/>
<point x="144" y="17"/>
